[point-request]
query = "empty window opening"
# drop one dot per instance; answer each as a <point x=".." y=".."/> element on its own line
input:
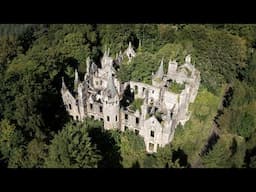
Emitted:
<point x="77" y="117"/>
<point x="69" y="106"/>
<point x="137" y="120"/>
<point x="151" y="146"/>
<point x="136" y="89"/>
<point x="101" y="109"/>
<point x="143" y="89"/>
<point x="116" y="117"/>
<point x="126" y="116"/>
<point x="92" y="117"/>
<point x="125" y="128"/>
<point x="152" y="133"/>
<point x="137" y="131"/>
<point x="91" y="106"/>
<point x="107" y="118"/>
<point x="97" y="82"/>
<point x="101" y="119"/>
<point x="100" y="82"/>
<point x="153" y="91"/>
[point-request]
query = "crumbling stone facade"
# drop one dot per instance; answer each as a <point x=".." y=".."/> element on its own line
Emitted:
<point x="101" y="96"/>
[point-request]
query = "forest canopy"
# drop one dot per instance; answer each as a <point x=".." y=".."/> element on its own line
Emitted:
<point x="34" y="124"/>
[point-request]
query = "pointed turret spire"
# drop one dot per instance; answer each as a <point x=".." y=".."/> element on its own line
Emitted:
<point x="188" y="59"/>
<point x="108" y="52"/>
<point x="140" y="46"/>
<point x="160" y="72"/>
<point x="130" y="52"/>
<point x="63" y="87"/>
<point x="105" y="52"/>
<point x="63" y="83"/>
<point x="76" y="79"/>
<point x="110" y="90"/>
<point x="93" y="68"/>
<point x="88" y="60"/>
<point x="130" y="45"/>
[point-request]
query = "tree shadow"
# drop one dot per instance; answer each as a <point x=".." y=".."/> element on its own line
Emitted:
<point x="136" y="164"/>
<point x="53" y="112"/>
<point x="248" y="154"/>
<point x="128" y="97"/>
<point x="109" y="149"/>
<point x="181" y="156"/>
<point x="212" y="140"/>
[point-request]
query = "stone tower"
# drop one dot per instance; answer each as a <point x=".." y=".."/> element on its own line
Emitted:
<point x="158" y="76"/>
<point x="172" y="67"/>
<point x="130" y="53"/>
<point x="110" y="99"/>
<point x="81" y="101"/>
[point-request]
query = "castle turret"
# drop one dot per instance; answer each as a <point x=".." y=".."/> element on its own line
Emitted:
<point x="81" y="101"/>
<point x="106" y="59"/>
<point x="172" y="67"/>
<point x="69" y="102"/>
<point x="63" y="87"/>
<point x="188" y="59"/>
<point x="130" y="52"/>
<point x="158" y="77"/>
<point x="88" y="62"/>
<point x="76" y="80"/>
<point x="160" y="72"/>
<point x="111" y="104"/>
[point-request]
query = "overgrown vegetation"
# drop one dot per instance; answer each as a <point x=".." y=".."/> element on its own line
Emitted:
<point x="176" y="87"/>
<point x="136" y="104"/>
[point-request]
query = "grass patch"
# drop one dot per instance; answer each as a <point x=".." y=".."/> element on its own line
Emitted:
<point x="193" y="136"/>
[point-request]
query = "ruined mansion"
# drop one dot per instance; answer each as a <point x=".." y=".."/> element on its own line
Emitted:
<point x="103" y="97"/>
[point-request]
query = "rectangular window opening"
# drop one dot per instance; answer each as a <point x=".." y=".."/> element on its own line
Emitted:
<point x="137" y="120"/>
<point x="152" y="133"/>
<point x="151" y="146"/>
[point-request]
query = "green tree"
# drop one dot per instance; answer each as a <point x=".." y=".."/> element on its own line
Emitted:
<point x="9" y="138"/>
<point x="36" y="153"/>
<point x="72" y="148"/>
<point x="11" y="141"/>
<point x="228" y="152"/>
<point x="132" y="149"/>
